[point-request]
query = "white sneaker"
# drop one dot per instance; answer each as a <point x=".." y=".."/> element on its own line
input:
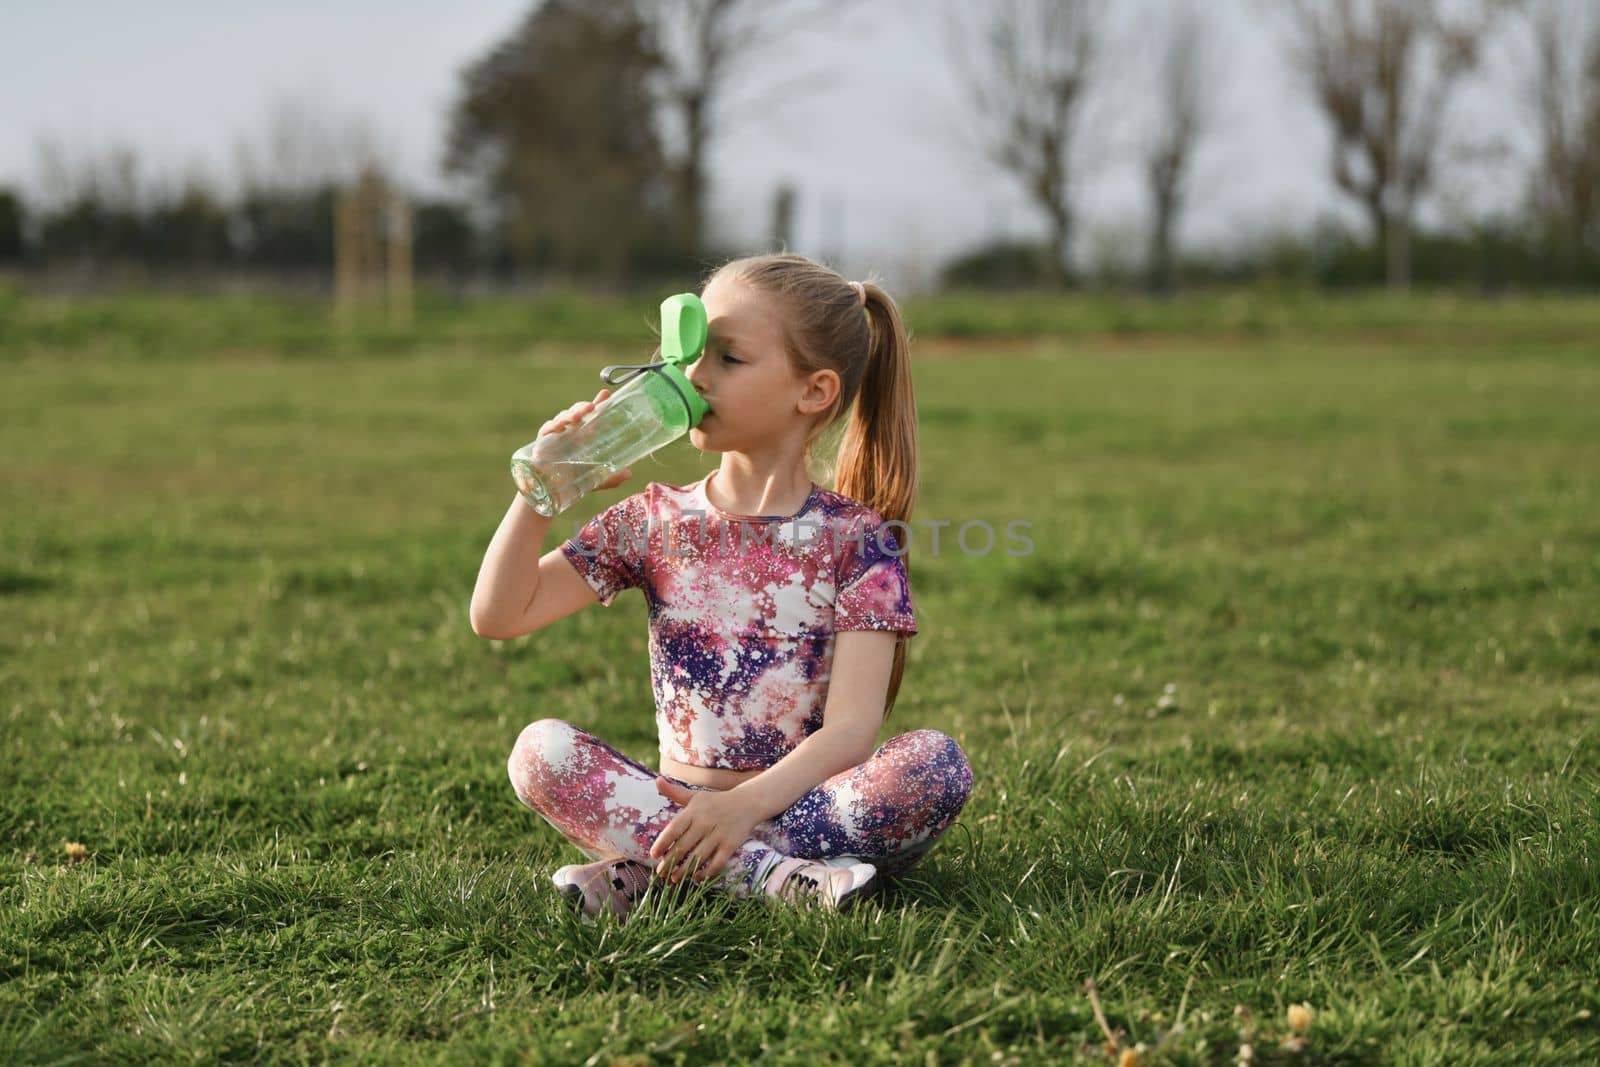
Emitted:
<point x="605" y="885"/>
<point x="834" y="884"/>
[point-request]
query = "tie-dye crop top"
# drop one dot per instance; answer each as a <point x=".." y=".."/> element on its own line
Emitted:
<point x="743" y="610"/>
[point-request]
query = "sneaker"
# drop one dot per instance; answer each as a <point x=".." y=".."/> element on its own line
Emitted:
<point x="835" y="884"/>
<point x="605" y="885"/>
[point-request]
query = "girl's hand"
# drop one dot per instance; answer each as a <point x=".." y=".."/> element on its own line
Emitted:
<point x="574" y="415"/>
<point x="703" y="837"/>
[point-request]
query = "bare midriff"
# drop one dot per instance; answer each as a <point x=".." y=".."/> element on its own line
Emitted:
<point x="713" y="777"/>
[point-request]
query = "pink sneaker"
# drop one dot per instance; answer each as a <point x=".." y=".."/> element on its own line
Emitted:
<point x="605" y="885"/>
<point x="835" y="884"/>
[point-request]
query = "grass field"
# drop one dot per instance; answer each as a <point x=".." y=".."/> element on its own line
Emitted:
<point x="1295" y="700"/>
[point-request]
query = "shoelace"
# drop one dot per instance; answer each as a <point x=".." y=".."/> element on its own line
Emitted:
<point x="813" y="887"/>
<point x="630" y="886"/>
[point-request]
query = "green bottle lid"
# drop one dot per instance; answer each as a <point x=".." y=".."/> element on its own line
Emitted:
<point x="683" y="338"/>
<point x="683" y="329"/>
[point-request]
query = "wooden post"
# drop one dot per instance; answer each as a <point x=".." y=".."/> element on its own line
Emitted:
<point x="372" y="250"/>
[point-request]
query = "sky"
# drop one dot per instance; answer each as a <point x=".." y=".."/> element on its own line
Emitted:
<point x="862" y="114"/>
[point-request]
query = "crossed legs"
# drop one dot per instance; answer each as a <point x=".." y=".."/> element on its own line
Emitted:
<point x="888" y="811"/>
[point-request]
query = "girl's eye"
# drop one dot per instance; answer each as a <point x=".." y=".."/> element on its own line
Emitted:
<point x="729" y="359"/>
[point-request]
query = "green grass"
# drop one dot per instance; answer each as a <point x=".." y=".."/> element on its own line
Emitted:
<point x="176" y="327"/>
<point x="1295" y="700"/>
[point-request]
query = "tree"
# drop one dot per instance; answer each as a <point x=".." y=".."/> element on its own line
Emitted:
<point x="781" y="230"/>
<point x="290" y="170"/>
<point x="189" y="227"/>
<point x="1186" y="76"/>
<point x="556" y="125"/>
<point x="704" y="46"/>
<point x="13" y="243"/>
<point x="287" y="229"/>
<point x="305" y="144"/>
<point x="446" y="241"/>
<point x="1383" y="72"/>
<point x="1566" y="97"/>
<point x="1027" y="75"/>
<point x="93" y="211"/>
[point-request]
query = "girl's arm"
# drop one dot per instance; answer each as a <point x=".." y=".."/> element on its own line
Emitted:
<point x="858" y="689"/>
<point x="519" y="591"/>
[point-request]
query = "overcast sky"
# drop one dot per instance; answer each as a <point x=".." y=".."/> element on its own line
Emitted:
<point x="867" y="129"/>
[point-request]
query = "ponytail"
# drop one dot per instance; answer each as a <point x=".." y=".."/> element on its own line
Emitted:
<point x="878" y="457"/>
<point x="877" y="462"/>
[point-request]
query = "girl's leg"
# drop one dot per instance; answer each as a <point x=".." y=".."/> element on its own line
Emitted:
<point x="888" y="811"/>
<point x="605" y="803"/>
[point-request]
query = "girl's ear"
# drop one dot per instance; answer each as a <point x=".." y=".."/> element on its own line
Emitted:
<point x="822" y="388"/>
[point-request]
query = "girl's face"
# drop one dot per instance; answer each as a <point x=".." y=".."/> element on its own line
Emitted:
<point x="744" y="373"/>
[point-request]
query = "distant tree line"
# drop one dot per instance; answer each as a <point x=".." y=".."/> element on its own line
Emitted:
<point x="261" y="230"/>
<point x="581" y="142"/>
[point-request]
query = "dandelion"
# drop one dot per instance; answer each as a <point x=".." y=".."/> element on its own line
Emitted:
<point x="1300" y="1016"/>
<point x="76" y="851"/>
<point x="1129" y="1058"/>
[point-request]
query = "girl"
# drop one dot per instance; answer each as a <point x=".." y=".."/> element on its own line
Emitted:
<point x="779" y="612"/>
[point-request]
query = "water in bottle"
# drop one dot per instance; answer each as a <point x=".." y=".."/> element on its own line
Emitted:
<point x="656" y="405"/>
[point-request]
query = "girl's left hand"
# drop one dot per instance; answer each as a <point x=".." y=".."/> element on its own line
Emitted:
<point x="702" y="838"/>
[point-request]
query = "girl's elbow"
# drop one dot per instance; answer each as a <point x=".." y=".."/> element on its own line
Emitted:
<point x="857" y="748"/>
<point x="485" y="626"/>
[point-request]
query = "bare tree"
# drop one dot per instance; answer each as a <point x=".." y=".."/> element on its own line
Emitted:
<point x="111" y="178"/>
<point x="1187" y="75"/>
<point x="303" y="143"/>
<point x="705" y="47"/>
<point x="1383" y="72"/>
<point x="1566" y="95"/>
<point x="1027" y="70"/>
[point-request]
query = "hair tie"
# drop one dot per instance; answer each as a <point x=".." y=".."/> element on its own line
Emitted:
<point x="861" y="293"/>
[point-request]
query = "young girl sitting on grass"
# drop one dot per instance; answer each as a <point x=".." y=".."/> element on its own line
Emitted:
<point x="779" y="612"/>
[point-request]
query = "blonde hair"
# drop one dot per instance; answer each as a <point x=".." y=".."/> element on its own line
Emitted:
<point x="824" y="328"/>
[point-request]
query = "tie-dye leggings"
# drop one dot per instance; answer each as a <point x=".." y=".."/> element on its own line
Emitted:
<point x="888" y="811"/>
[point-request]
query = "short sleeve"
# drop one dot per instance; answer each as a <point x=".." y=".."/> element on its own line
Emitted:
<point x="873" y="589"/>
<point x="609" y="551"/>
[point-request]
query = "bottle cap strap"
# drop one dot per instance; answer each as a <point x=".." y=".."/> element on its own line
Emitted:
<point x="609" y="376"/>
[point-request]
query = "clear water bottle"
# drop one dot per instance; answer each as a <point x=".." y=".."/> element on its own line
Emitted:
<point x="656" y="405"/>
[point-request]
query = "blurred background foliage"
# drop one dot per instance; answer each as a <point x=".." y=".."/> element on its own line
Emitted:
<point x="579" y="147"/>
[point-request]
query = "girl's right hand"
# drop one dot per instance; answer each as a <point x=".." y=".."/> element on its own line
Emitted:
<point x="574" y="415"/>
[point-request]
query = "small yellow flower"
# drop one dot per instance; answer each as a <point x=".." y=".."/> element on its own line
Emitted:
<point x="1300" y="1016"/>
<point x="76" y="851"/>
<point x="1129" y="1058"/>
